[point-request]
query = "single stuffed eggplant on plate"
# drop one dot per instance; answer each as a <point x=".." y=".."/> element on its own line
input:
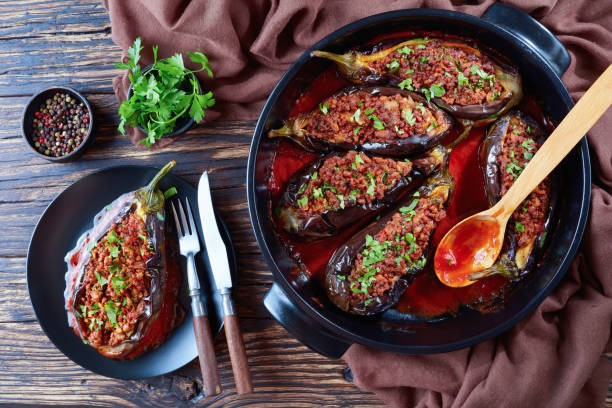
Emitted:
<point x="385" y="121"/>
<point x="118" y="278"/>
<point x="341" y="189"/>
<point x="509" y="145"/>
<point x="369" y="273"/>
<point x="455" y="75"/>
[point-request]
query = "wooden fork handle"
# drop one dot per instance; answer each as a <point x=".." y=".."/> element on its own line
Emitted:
<point x="237" y="352"/>
<point x="206" y="353"/>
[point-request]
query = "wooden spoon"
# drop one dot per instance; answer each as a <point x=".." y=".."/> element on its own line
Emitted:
<point x="475" y="243"/>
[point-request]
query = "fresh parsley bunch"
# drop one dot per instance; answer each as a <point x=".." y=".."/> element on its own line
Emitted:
<point x="163" y="94"/>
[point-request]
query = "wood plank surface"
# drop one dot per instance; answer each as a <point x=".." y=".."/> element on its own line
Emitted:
<point x="45" y="43"/>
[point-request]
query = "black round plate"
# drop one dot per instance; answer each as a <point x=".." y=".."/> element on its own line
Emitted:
<point x="69" y="215"/>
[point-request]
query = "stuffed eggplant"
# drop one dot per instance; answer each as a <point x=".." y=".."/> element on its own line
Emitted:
<point x="372" y="270"/>
<point x="509" y="145"/>
<point x="343" y="188"/>
<point x="119" y="279"/>
<point x="456" y="76"/>
<point x="385" y="121"/>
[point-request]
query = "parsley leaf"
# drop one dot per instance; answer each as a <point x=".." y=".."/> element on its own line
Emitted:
<point x="406" y="84"/>
<point x="393" y="66"/>
<point x="409" y="116"/>
<point x="324" y="108"/>
<point x="519" y="227"/>
<point x="170" y="192"/>
<point x="101" y="279"/>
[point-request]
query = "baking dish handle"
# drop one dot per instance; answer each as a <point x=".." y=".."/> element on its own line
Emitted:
<point x="297" y="323"/>
<point x="531" y="32"/>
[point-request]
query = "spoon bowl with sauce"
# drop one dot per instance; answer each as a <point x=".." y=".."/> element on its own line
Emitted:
<point x="474" y="244"/>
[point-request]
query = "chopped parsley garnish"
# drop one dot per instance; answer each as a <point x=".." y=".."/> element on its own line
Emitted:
<point x="324" y="108"/>
<point x="409" y="116"/>
<point x="314" y="175"/>
<point x="519" y="227"/>
<point x="118" y="284"/>
<point x="528" y="156"/>
<point x="113" y="251"/>
<point x="432" y="126"/>
<point x="424" y="59"/>
<point x="341" y="198"/>
<point x="421" y="46"/>
<point x="393" y="66"/>
<point x="111" y="312"/>
<point x="421" y="108"/>
<point x="357" y="129"/>
<point x="405" y="50"/>
<point x="528" y="144"/>
<point x="302" y="201"/>
<point x="368" y="111"/>
<point x="101" y="279"/>
<point x="514" y="169"/>
<point x="409" y="71"/>
<point x="142" y="237"/>
<point x="462" y="79"/>
<point x="377" y="123"/>
<point x="434" y="91"/>
<point x="112" y="238"/>
<point x="302" y="189"/>
<point x="406" y="84"/>
<point x="368" y="301"/>
<point x="356" y="115"/>
<point x="172" y="191"/>
<point x="341" y="277"/>
<point x="372" y="184"/>
<point x="358" y="160"/>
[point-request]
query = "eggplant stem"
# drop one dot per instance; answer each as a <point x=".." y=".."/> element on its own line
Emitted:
<point x="152" y="186"/>
<point x="285" y="131"/>
<point x="347" y="62"/>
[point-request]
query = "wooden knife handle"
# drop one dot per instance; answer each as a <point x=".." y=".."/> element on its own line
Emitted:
<point x="237" y="352"/>
<point x="206" y="352"/>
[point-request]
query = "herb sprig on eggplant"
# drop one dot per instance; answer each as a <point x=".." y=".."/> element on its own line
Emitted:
<point x="385" y="121"/>
<point x="343" y="188"/>
<point x="116" y="283"/>
<point x="455" y="75"/>
<point x="369" y="273"/>
<point x="510" y="144"/>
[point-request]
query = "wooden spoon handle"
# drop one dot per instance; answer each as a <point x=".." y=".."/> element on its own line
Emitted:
<point x="206" y="353"/>
<point x="570" y="131"/>
<point x="237" y="352"/>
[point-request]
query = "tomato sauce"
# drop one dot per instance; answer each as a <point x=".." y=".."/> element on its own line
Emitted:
<point x="466" y="250"/>
<point x="426" y="296"/>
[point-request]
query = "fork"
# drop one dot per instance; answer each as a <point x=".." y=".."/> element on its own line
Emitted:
<point x="189" y="245"/>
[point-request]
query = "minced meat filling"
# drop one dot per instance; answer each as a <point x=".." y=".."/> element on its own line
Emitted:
<point x="349" y="179"/>
<point x="450" y="73"/>
<point x="518" y="149"/>
<point x="115" y="284"/>
<point x="361" y="117"/>
<point x="396" y="250"/>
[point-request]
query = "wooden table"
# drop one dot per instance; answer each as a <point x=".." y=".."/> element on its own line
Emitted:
<point x="45" y="43"/>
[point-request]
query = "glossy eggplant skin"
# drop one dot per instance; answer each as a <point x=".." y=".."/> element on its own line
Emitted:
<point x="331" y="222"/>
<point x="148" y="204"/>
<point x="357" y="67"/>
<point x="294" y="129"/>
<point x="514" y="260"/>
<point x="439" y="186"/>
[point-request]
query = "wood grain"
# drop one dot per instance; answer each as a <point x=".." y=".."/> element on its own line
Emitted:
<point x="206" y="356"/>
<point x="238" y="356"/>
<point x="45" y="43"/>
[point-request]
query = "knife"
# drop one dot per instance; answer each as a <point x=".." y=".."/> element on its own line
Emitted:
<point x="217" y="255"/>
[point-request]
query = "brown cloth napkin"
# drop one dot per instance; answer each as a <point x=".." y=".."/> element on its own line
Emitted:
<point x="553" y="358"/>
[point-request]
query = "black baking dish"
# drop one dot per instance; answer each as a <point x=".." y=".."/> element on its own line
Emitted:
<point x="310" y="317"/>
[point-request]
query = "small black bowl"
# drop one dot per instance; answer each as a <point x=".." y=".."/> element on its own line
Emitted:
<point x="183" y="123"/>
<point x="28" y="116"/>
